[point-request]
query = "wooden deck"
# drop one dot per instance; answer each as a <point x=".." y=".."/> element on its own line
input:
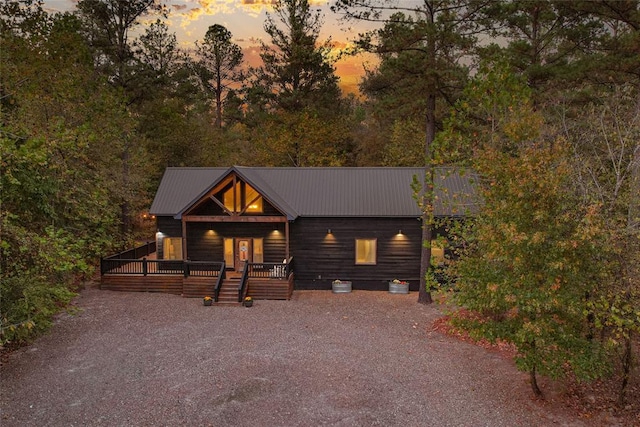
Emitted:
<point x="169" y="284"/>
<point x="194" y="287"/>
<point x="270" y="288"/>
<point x="194" y="279"/>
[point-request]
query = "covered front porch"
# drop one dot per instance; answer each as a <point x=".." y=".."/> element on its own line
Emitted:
<point x="139" y="270"/>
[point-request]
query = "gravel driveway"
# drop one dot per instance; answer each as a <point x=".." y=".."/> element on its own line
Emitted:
<point x="360" y="359"/>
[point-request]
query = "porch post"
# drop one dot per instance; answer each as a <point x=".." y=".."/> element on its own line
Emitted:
<point x="184" y="238"/>
<point x="286" y="237"/>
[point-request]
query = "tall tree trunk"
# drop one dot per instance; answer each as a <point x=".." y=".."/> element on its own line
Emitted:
<point x="424" y="294"/>
<point x="627" y="363"/>
<point x="125" y="206"/>
<point x="534" y="382"/>
<point x="218" y="101"/>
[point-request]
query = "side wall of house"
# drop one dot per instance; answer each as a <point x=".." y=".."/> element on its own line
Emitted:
<point x="321" y="257"/>
<point x="167" y="227"/>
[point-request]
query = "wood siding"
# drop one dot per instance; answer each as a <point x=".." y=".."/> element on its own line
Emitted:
<point x="205" y="241"/>
<point x="168" y="284"/>
<point x="167" y="227"/>
<point x="270" y="288"/>
<point x="198" y="287"/>
<point x="194" y="287"/>
<point x="321" y="257"/>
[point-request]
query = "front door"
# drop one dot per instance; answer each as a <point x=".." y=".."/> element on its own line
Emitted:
<point x="243" y="253"/>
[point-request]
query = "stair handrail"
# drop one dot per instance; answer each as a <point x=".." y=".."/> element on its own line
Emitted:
<point x="289" y="268"/>
<point x="242" y="288"/>
<point x="221" y="276"/>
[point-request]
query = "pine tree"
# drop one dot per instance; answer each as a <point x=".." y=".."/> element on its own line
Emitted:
<point x="217" y="66"/>
<point x="297" y="72"/>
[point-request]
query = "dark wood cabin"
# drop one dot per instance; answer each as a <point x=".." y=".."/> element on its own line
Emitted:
<point x="357" y="224"/>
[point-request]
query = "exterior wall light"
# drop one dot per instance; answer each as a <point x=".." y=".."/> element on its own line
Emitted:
<point x="329" y="231"/>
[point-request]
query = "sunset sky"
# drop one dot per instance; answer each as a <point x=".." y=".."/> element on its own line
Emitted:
<point x="189" y="19"/>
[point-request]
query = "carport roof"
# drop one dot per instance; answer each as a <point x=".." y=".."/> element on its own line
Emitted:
<point x="325" y="192"/>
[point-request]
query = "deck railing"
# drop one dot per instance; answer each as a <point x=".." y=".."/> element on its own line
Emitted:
<point x="221" y="277"/>
<point x="242" y="288"/>
<point x="137" y="252"/>
<point x="146" y="267"/>
<point x="125" y="263"/>
<point x="271" y="270"/>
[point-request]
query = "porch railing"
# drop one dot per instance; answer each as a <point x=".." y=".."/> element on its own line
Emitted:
<point x="221" y="277"/>
<point x="137" y="252"/>
<point x="152" y="267"/>
<point x="266" y="270"/>
<point x="242" y="288"/>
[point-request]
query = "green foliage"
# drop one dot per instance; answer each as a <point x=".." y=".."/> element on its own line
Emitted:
<point x="37" y="271"/>
<point x="106" y="25"/>
<point x="27" y="307"/>
<point x="527" y="272"/>
<point x="406" y="147"/>
<point x="218" y="65"/>
<point x="60" y="185"/>
<point x="495" y="111"/>
<point x="526" y="269"/>
<point x="408" y="67"/>
<point x="606" y="144"/>
<point x="297" y="72"/>
<point x="302" y="139"/>
<point x="543" y="41"/>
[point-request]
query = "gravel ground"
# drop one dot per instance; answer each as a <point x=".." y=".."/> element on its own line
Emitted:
<point x="359" y="359"/>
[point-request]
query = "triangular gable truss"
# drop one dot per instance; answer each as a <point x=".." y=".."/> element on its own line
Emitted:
<point x="230" y="179"/>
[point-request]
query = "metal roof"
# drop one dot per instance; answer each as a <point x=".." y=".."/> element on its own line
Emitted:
<point x="325" y="192"/>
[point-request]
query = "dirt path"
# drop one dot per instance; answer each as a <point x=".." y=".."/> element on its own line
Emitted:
<point x="359" y="359"/>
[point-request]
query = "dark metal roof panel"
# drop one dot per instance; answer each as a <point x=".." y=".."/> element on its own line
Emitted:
<point x="368" y="192"/>
<point x="345" y="191"/>
<point x="375" y="192"/>
<point x="180" y="187"/>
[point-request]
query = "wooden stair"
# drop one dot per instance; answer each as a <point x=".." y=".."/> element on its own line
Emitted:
<point x="229" y="291"/>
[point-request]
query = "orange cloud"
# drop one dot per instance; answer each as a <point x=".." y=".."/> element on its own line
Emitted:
<point x="258" y="3"/>
<point x="349" y="68"/>
<point x="205" y="8"/>
<point x="270" y="3"/>
<point x="214" y="7"/>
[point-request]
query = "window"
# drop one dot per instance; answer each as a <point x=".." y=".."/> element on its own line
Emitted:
<point x="172" y="248"/>
<point x="366" y="251"/>
<point x="234" y="201"/>
<point x="253" y="200"/>
<point x="228" y="252"/>
<point x="258" y="250"/>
